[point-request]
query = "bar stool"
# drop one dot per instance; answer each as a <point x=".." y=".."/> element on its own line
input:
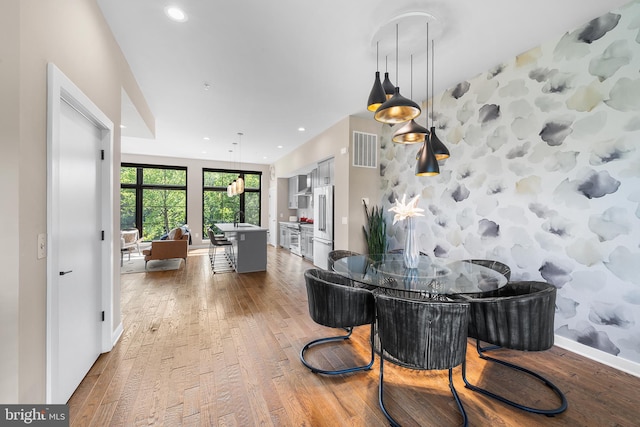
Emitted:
<point x="219" y="265"/>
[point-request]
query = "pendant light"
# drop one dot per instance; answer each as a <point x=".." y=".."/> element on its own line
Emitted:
<point x="240" y="181"/>
<point x="230" y="186"/>
<point x="439" y="149"/>
<point x="427" y="164"/>
<point x="398" y="109"/>
<point x="377" y="95"/>
<point x="411" y="132"/>
<point x="389" y="88"/>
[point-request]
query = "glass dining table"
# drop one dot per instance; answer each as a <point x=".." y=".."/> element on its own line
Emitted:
<point x="432" y="278"/>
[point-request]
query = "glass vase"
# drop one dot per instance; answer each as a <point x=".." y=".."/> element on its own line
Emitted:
<point x="411" y="253"/>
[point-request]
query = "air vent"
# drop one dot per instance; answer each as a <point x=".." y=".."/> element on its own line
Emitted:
<point x="365" y="150"/>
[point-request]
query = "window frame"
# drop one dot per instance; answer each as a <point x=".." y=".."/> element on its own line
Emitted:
<point x="139" y="186"/>
<point x="241" y="173"/>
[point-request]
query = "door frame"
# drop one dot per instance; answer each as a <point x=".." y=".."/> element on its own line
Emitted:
<point x="61" y="89"/>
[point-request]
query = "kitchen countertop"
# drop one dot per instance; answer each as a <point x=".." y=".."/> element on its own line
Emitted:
<point x="228" y="227"/>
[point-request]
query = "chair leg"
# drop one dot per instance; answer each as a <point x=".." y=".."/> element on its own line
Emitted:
<point x="392" y="421"/>
<point x="553" y="387"/>
<point x="317" y="370"/>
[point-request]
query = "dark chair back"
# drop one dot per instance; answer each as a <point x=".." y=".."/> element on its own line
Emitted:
<point x="422" y="334"/>
<point x="518" y="316"/>
<point x="336" y="255"/>
<point x="336" y="302"/>
<point x="498" y="266"/>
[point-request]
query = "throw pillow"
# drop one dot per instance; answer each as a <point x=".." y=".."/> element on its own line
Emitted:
<point x="177" y="235"/>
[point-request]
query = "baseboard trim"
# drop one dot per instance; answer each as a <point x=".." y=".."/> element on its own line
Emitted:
<point x="600" y="356"/>
<point x="117" y="333"/>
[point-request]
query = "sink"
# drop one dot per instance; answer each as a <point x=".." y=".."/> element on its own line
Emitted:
<point x="244" y="225"/>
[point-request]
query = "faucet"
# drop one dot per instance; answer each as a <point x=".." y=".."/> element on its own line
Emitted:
<point x="237" y="218"/>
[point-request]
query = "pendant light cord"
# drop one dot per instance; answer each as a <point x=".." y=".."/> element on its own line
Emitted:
<point x="426" y="101"/>
<point x="411" y="76"/>
<point x="396" y="55"/>
<point x="432" y="79"/>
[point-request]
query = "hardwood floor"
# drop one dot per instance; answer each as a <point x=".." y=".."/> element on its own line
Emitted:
<point x="222" y="350"/>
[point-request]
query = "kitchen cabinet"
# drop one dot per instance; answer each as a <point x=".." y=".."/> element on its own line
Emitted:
<point x="306" y="242"/>
<point x="325" y="172"/>
<point x="297" y="184"/>
<point x="284" y="236"/>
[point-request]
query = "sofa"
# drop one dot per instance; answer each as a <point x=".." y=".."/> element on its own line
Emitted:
<point x="176" y="245"/>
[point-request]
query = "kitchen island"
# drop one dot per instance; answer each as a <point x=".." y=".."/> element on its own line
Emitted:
<point x="248" y="251"/>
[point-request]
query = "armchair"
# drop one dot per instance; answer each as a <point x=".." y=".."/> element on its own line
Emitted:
<point x="129" y="241"/>
<point x="176" y="246"/>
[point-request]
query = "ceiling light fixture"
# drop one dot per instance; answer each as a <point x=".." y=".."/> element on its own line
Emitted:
<point x="398" y="109"/>
<point x="176" y="14"/>
<point x="377" y="95"/>
<point x="231" y="187"/>
<point x="439" y="149"/>
<point x="411" y="132"/>
<point x="388" y="87"/>
<point x="240" y="181"/>
<point x="427" y="164"/>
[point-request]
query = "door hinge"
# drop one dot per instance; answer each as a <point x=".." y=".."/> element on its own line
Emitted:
<point x="102" y="235"/>
<point x="101" y="154"/>
<point x="103" y="316"/>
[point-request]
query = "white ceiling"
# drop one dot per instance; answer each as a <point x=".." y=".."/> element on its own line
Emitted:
<point x="275" y="66"/>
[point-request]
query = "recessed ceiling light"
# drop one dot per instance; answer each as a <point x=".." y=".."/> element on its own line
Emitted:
<point x="279" y="146"/>
<point x="175" y="13"/>
<point x="301" y="129"/>
<point x="122" y="127"/>
<point x="206" y="138"/>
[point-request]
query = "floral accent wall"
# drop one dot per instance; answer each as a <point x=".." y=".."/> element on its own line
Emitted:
<point x="544" y="175"/>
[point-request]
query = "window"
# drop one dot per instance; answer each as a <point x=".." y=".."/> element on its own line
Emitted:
<point x="218" y="207"/>
<point x="153" y="199"/>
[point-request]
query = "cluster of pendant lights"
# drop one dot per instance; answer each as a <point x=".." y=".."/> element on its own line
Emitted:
<point x="392" y="108"/>
<point x="236" y="187"/>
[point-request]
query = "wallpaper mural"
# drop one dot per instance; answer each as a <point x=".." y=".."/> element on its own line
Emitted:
<point x="544" y="175"/>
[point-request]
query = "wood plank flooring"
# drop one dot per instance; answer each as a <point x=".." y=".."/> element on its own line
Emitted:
<point x="223" y="350"/>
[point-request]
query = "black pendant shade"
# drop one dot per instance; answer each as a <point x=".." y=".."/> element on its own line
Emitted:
<point x="427" y="164"/>
<point x="398" y="109"/>
<point x="389" y="88"/>
<point x="410" y="133"/>
<point x="439" y="149"/>
<point x="377" y="95"/>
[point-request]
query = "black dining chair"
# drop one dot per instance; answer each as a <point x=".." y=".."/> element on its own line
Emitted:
<point x="336" y="302"/>
<point x="518" y="316"/>
<point x="498" y="266"/>
<point x="421" y="334"/>
<point x="401" y="251"/>
<point x="336" y="255"/>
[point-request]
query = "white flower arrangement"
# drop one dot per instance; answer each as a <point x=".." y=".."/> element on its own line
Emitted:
<point x="404" y="211"/>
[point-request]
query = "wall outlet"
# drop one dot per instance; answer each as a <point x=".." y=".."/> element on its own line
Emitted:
<point x="42" y="245"/>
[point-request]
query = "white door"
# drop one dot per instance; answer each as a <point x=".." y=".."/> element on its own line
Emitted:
<point x="79" y="251"/>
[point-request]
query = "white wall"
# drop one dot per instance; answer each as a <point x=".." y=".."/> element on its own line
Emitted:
<point x="73" y="35"/>
<point x="544" y="175"/>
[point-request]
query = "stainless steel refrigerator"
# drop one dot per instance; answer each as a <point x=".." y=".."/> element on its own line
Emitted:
<point x="322" y="225"/>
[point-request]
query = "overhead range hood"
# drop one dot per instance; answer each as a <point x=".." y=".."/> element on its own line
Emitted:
<point x="304" y="185"/>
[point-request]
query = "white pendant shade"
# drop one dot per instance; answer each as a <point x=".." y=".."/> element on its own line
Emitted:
<point x="239" y="185"/>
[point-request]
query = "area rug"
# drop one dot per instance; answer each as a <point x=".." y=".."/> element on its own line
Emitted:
<point x="136" y="265"/>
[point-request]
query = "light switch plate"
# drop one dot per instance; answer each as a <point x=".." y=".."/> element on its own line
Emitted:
<point x="42" y="245"/>
<point x="345" y="220"/>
